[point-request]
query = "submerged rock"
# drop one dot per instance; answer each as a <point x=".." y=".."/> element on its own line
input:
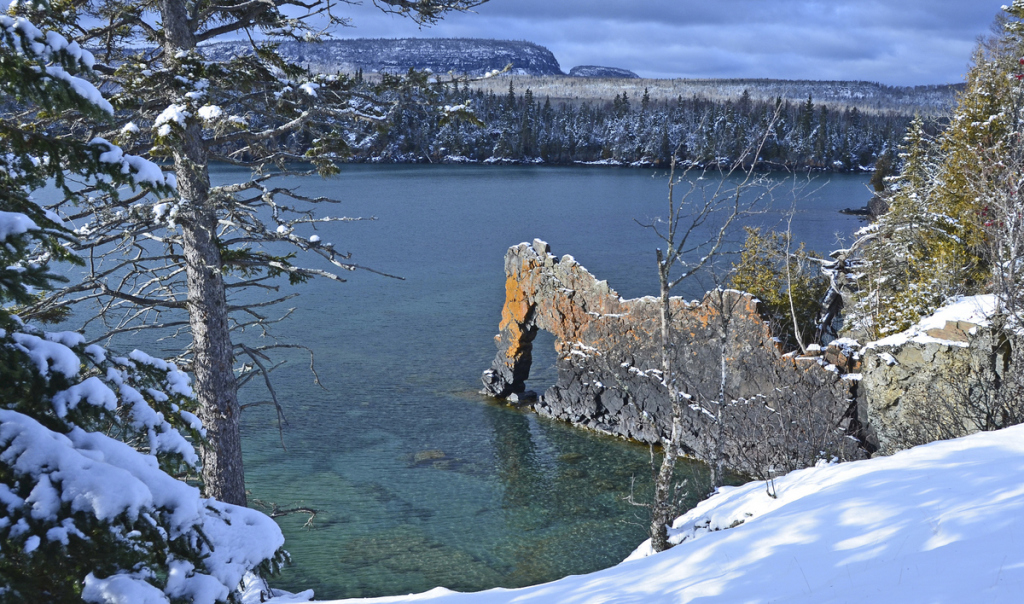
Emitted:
<point x="430" y="455"/>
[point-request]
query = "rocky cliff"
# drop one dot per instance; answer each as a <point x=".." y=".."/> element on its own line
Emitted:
<point x="941" y="379"/>
<point x="609" y="376"/>
<point x="440" y="55"/>
<point x="761" y="409"/>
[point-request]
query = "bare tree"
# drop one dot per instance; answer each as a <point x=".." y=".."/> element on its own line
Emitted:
<point x="688" y="250"/>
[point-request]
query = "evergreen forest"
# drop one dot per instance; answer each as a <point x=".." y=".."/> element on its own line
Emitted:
<point x="518" y="127"/>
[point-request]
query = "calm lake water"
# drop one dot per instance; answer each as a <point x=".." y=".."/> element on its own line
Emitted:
<point x="420" y="481"/>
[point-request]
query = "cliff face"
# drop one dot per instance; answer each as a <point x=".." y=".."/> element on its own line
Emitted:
<point x="462" y="55"/>
<point x="609" y="376"/>
<point x="595" y="71"/>
<point x="757" y="407"/>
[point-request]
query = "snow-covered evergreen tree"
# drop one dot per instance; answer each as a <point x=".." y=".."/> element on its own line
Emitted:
<point x="907" y="269"/>
<point x="184" y="253"/>
<point x="90" y="442"/>
<point x="955" y="203"/>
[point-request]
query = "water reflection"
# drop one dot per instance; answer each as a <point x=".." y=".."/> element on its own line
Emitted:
<point x="516" y="462"/>
<point x="557" y="489"/>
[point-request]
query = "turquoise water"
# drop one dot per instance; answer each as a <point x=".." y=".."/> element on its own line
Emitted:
<point x="418" y="480"/>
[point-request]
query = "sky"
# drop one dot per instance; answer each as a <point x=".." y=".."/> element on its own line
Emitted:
<point x="896" y="42"/>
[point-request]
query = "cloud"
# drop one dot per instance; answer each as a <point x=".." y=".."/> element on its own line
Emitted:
<point x="907" y="42"/>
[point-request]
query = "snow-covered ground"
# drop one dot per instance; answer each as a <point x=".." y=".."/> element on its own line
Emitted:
<point x="943" y="522"/>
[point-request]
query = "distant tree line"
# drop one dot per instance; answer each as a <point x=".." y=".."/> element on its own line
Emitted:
<point x="515" y="127"/>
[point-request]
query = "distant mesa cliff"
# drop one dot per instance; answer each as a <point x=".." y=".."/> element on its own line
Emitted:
<point x="595" y="71"/>
<point x="461" y="55"/>
<point x="475" y="57"/>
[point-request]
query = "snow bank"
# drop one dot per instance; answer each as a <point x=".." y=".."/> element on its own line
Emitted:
<point x="938" y="523"/>
<point x="971" y="309"/>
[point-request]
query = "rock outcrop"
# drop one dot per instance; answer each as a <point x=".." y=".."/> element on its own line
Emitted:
<point x="609" y="377"/>
<point x="938" y="383"/>
<point x="755" y="406"/>
<point x="877" y="206"/>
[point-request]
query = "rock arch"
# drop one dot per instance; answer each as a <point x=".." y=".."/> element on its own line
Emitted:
<point x="608" y="359"/>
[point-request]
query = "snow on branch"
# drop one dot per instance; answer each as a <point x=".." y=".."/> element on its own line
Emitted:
<point x="55" y="56"/>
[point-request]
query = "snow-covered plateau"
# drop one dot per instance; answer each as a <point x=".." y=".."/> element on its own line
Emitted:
<point x="440" y="55"/>
<point x="942" y="522"/>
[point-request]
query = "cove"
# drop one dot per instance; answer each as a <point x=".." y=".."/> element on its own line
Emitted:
<point x="419" y="480"/>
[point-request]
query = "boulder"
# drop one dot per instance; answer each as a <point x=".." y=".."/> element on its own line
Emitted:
<point x="931" y="384"/>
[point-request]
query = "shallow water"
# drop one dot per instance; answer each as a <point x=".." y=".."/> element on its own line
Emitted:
<point x="418" y="480"/>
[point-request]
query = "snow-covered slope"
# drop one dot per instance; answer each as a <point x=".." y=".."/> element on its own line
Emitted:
<point x="942" y="522"/>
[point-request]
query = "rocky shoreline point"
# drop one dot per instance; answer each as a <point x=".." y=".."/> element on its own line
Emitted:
<point x="856" y="398"/>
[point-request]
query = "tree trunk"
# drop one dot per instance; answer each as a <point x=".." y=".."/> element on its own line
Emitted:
<point x="664" y="507"/>
<point x="215" y="386"/>
<point x="663" y="511"/>
<point x="212" y="354"/>
<point x="717" y="459"/>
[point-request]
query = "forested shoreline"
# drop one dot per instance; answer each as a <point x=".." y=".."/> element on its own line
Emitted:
<point x="431" y="122"/>
<point x="519" y="127"/>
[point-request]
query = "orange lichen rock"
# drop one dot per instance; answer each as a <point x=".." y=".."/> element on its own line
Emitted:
<point x="609" y="362"/>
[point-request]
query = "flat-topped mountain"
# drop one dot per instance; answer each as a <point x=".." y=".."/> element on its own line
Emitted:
<point x="461" y="55"/>
<point x="596" y="71"/>
<point x="537" y="68"/>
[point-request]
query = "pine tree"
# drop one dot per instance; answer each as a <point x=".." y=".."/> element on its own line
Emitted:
<point x="821" y="140"/>
<point x="253" y="110"/>
<point x="89" y="440"/>
<point x="510" y="97"/>
<point x="806" y="118"/>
